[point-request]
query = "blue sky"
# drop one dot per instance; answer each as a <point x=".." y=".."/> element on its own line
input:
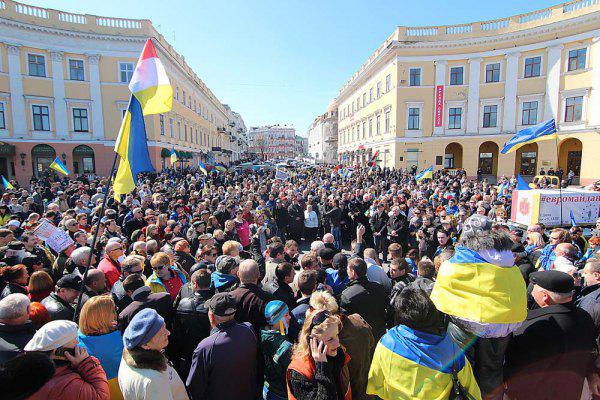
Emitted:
<point x="284" y="61"/>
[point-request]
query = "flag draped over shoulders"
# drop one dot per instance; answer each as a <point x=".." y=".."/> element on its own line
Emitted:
<point x="409" y="364"/>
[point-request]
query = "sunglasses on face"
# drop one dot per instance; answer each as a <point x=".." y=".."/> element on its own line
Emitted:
<point x="159" y="267"/>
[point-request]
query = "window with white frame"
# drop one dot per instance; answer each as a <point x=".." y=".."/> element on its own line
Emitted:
<point x="388" y="83"/>
<point x="184" y="98"/>
<point x="161" y="118"/>
<point x="455" y="118"/>
<point x="2" y="116"/>
<point x="370" y="127"/>
<point x="573" y="109"/>
<point x="125" y="72"/>
<point x="177" y="93"/>
<point x="171" y="130"/>
<point x="40" y="117"/>
<point x="456" y="75"/>
<point x="415" y="77"/>
<point x="529" y="113"/>
<point x="490" y="116"/>
<point x="364" y="96"/>
<point x="378" y="124"/>
<point x="37" y="65"/>
<point x="577" y="59"/>
<point x="370" y="95"/>
<point x="387" y="121"/>
<point x="533" y="67"/>
<point x="492" y="73"/>
<point x="76" y="70"/>
<point x="414" y="118"/>
<point x="185" y="133"/>
<point x="378" y="89"/>
<point x="80" y="120"/>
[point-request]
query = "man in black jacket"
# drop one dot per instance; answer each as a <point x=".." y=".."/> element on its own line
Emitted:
<point x="132" y="264"/>
<point x="368" y="299"/>
<point x="59" y="303"/>
<point x="142" y="297"/>
<point x="550" y="355"/>
<point x="280" y="288"/>
<point x="190" y="322"/>
<point x="282" y="219"/>
<point x="334" y="215"/>
<point x="378" y="222"/>
<point x="250" y="298"/>
<point x="15" y="327"/>
<point x="296" y="215"/>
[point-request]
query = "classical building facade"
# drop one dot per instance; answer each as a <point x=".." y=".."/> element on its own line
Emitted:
<point x="323" y="137"/>
<point x="451" y="96"/>
<point x="272" y="141"/>
<point x="237" y="134"/>
<point x="63" y="92"/>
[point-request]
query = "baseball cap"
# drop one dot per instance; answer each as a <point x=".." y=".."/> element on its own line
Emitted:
<point x="70" y="281"/>
<point x="221" y="304"/>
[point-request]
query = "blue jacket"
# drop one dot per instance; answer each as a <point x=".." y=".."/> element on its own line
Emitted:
<point x="155" y="283"/>
<point x="547" y="257"/>
<point x="333" y="279"/>
<point x="222" y="282"/>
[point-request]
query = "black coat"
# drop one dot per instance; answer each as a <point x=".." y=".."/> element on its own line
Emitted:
<point x="549" y="355"/>
<point x="13" y="339"/>
<point x="379" y="222"/>
<point x="368" y="299"/>
<point x="190" y="326"/>
<point x="251" y="302"/>
<point x="119" y="295"/>
<point x="58" y="308"/>
<point x="142" y="299"/>
<point x="12" y="288"/>
<point x="282" y="291"/>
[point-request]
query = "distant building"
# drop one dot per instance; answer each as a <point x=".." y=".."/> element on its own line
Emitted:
<point x="323" y="137"/>
<point x="272" y="141"/>
<point x="301" y="146"/>
<point x="237" y="133"/>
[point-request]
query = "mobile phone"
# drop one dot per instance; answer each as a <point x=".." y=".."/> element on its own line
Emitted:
<point x="61" y="351"/>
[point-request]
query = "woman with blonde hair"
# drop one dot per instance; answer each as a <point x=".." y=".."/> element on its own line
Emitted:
<point x="40" y="286"/>
<point x="319" y="366"/>
<point x="98" y="334"/>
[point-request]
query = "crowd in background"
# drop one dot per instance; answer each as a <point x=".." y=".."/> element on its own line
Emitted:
<point x="325" y="285"/>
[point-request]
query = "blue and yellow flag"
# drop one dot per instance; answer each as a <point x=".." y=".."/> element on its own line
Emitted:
<point x="572" y="217"/>
<point x="220" y="167"/>
<point x="174" y="157"/>
<point x="132" y="146"/>
<point x="537" y="133"/>
<point x="471" y="288"/>
<point x="59" y="167"/>
<point x="202" y="167"/>
<point x="6" y="183"/>
<point x="409" y="364"/>
<point x="426" y="173"/>
<point x="521" y="184"/>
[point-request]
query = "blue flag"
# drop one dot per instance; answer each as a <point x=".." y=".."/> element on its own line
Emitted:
<point x="521" y="184"/>
<point x="573" y="222"/>
<point x="537" y="133"/>
<point x="426" y="173"/>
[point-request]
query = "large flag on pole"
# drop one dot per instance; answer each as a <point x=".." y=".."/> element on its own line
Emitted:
<point x="59" y="167"/>
<point x="521" y="184"/>
<point x="6" y="183"/>
<point x="150" y="95"/>
<point x="150" y="83"/>
<point x="426" y="173"/>
<point x="174" y="157"/>
<point x="202" y="167"/>
<point x="537" y="133"/>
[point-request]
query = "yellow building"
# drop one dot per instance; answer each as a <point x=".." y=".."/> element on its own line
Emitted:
<point x="63" y="91"/>
<point x="452" y="96"/>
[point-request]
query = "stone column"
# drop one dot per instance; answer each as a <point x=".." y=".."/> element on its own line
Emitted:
<point x="17" y="101"/>
<point x="61" y="115"/>
<point x="96" y="97"/>
<point x="509" y="121"/>
<point x="473" y="98"/>
<point x="552" y="99"/>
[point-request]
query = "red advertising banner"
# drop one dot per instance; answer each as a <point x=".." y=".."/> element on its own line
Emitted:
<point x="439" y="105"/>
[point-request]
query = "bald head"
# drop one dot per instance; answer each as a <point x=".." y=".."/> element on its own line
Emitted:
<point x="248" y="272"/>
<point x="328" y="238"/>
<point x="566" y="250"/>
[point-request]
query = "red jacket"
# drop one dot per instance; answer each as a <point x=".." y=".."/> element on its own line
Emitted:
<point x="88" y="382"/>
<point x="111" y="269"/>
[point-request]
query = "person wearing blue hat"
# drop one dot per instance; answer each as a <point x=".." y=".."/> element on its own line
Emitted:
<point x="144" y="372"/>
<point x="276" y="350"/>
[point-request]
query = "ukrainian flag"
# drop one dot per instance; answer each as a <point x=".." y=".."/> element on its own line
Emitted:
<point x="472" y="289"/>
<point x="426" y="173"/>
<point x="174" y="157"/>
<point x="59" y="167"/>
<point x="202" y="167"/>
<point x="6" y="183"/>
<point x="220" y="167"/>
<point x="132" y="146"/>
<point x="537" y="133"/>
<point x="410" y="364"/>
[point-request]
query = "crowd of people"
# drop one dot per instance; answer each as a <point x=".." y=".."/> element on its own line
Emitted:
<point x="332" y="284"/>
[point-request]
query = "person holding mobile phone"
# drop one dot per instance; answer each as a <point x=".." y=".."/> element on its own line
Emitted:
<point x="78" y="375"/>
<point x="319" y="367"/>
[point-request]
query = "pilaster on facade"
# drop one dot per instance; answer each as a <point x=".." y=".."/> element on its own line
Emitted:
<point x="96" y="96"/>
<point x="473" y="95"/>
<point x="552" y="99"/>
<point x="510" y="92"/>
<point x="594" y="117"/>
<point x="17" y="101"/>
<point x="58" y="89"/>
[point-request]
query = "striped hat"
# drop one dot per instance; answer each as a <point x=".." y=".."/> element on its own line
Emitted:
<point x="274" y="311"/>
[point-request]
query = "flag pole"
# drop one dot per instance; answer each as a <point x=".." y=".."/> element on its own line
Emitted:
<point x="559" y="179"/>
<point x="95" y="238"/>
